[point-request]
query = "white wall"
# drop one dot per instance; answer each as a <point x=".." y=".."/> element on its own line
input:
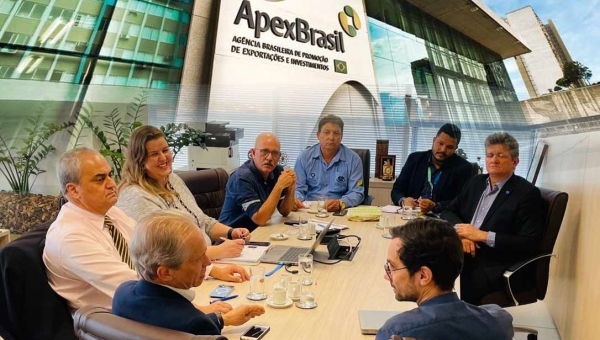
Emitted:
<point x="573" y="165"/>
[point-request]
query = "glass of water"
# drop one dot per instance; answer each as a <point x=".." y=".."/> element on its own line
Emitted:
<point x="406" y="210"/>
<point x="305" y="263"/>
<point x="384" y="223"/>
<point x="322" y="207"/>
<point x="307" y="298"/>
<point x="304" y="229"/>
<point x="257" y="284"/>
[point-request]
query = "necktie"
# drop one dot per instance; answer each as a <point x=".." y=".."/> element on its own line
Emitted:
<point x="119" y="240"/>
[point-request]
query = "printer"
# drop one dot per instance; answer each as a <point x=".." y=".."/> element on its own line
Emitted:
<point x="223" y="148"/>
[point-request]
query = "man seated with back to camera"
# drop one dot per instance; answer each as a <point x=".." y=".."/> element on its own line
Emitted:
<point x="329" y="169"/>
<point x="169" y="254"/>
<point x="259" y="187"/>
<point x="424" y="258"/>
<point x="431" y="179"/>
<point x="499" y="219"/>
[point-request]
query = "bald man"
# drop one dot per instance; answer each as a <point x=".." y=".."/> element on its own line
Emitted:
<point x="258" y="187"/>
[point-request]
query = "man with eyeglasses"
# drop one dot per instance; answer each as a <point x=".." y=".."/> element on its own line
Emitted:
<point x="258" y="187"/>
<point x="498" y="217"/>
<point x="329" y="169"/>
<point x="424" y="258"/>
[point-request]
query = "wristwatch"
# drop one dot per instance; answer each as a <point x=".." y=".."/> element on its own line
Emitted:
<point x="230" y="234"/>
<point x="220" y="319"/>
<point x="342" y="205"/>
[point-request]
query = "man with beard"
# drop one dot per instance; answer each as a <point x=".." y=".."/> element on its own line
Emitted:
<point x="424" y="259"/>
<point x="258" y="187"/>
<point x="431" y="179"/>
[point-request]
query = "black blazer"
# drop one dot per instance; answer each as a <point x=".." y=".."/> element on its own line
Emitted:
<point x="515" y="216"/>
<point x="160" y="306"/>
<point x="455" y="173"/>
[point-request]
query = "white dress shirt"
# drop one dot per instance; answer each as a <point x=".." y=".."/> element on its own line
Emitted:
<point x="82" y="262"/>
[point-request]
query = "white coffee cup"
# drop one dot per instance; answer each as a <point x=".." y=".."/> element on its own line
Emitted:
<point x="285" y="279"/>
<point x="294" y="289"/>
<point x="279" y="296"/>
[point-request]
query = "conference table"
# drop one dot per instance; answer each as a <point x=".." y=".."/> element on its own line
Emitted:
<point x="341" y="290"/>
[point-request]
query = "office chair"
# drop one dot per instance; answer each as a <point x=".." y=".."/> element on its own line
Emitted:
<point x="29" y="308"/>
<point x="555" y="205"/>
<point x="96" y="323"/>
<point x="208" y="187"/>
<point x="365" y="157"/>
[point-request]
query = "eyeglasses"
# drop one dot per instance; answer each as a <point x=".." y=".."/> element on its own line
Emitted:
<point x="266" y="152"/>
<point x="389" y="271"/>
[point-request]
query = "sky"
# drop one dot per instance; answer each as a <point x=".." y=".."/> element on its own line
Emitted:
<point x="578" y="23"/>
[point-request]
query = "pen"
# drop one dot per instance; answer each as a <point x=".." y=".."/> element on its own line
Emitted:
<point x="224" y="299"/>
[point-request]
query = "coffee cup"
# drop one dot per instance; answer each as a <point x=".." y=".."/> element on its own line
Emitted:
<point x="279" y="296"/>
<point x="293" y="290"/>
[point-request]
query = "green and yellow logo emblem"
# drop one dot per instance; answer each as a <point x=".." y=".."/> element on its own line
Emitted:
<point x="349" y="14"/>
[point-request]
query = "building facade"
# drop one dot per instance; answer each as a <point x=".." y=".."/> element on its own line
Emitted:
<point x="428" y="68"/>
<point x="542" y="67"/>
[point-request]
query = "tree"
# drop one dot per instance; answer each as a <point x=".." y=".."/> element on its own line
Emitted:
<point x="575" y="74"/>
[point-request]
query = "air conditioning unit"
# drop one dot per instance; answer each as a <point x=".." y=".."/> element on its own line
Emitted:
<point x="124" y="36"/>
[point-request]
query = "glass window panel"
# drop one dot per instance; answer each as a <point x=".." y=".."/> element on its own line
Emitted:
<point x="6" y="6"/>
<point x="379" y="41"/>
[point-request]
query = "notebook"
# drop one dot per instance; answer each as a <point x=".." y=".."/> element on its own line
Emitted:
<point x="372" y="320"/>
<point x="289" y="254"/>
<point x="250" y="254"/>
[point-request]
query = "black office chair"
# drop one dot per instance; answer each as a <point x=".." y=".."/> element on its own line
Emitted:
<point x="365" y="157"/>
<point x="29" y="308"/>
<point x="555" y="205"/>
<point x="208" y="187"/>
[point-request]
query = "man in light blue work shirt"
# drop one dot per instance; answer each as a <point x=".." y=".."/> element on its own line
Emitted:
<point x="329" y="169"/>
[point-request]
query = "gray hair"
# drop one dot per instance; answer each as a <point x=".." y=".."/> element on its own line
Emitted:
<point x="159" y="240"/>
<point x="505" y="139"/>
<point x="68" y="167"/>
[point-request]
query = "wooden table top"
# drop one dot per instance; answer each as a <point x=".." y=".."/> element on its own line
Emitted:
<point x="341" y="290"/>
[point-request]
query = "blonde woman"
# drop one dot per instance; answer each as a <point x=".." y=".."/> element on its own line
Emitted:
<point x="148" y="184"/>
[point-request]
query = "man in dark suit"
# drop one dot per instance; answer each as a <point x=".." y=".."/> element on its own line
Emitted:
<point x="169" y="253"/>
<point x="498" y="217"/>
<point x="431" y="179"/>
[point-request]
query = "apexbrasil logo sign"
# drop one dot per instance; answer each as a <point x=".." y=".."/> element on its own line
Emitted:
<point x="298" y="30"/>
<point x="350" y="13"/>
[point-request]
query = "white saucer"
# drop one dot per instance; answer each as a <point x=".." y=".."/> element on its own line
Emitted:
<point x="312" y="212"/>
<point x="278" y="237"/>
<point x="287" y="303"/>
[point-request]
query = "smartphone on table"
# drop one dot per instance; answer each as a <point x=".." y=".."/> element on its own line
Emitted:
<point x="221" y="291"/>
<point x="255" y="332"/>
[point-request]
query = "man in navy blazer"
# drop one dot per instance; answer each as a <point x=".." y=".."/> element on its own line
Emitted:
<point x="498" y="217"/>
<point x="431" y="179"/>
<point x="169" y="253"/>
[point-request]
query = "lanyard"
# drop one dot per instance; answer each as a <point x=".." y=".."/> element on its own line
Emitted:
<point x="435" y="180"/>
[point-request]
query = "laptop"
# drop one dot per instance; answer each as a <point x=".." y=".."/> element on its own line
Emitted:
<point x="289" y="254"/>
<point x="372" y="320"/>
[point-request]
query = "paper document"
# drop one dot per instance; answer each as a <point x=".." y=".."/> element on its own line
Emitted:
<point x="321" y="225"/>
<point x="250" y="254"/>
<point x="391" y="209"/>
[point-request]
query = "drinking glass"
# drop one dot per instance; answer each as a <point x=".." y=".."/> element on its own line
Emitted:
<point x="307" y="298"/>
<point x="257" y="284"/>
<point x="304" y="229"/>
<point x="322" y="207"/>
<point x="384" y="223"/>
<point x="406" y="210"/>
<point x="305" y="263"/>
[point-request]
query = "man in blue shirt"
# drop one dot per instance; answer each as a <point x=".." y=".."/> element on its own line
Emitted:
<point x="424" y="259"/>
<point x="258" y="187"/>
<point x="329" y="169"/>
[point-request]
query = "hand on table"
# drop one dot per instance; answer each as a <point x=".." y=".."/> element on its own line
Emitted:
<point x="241" y="314"/>
<point x="298" y="205"/>
<point x="241" y="233"/>
<point x="217" y="307"/>
<point x="332" y="205"/>
<point x="426" y="205"/>
<point x="226" y="273"/>
<point x="230" y="248"/>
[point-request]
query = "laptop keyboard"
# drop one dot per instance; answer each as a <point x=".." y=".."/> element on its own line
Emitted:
<point x="291" y="255"/>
